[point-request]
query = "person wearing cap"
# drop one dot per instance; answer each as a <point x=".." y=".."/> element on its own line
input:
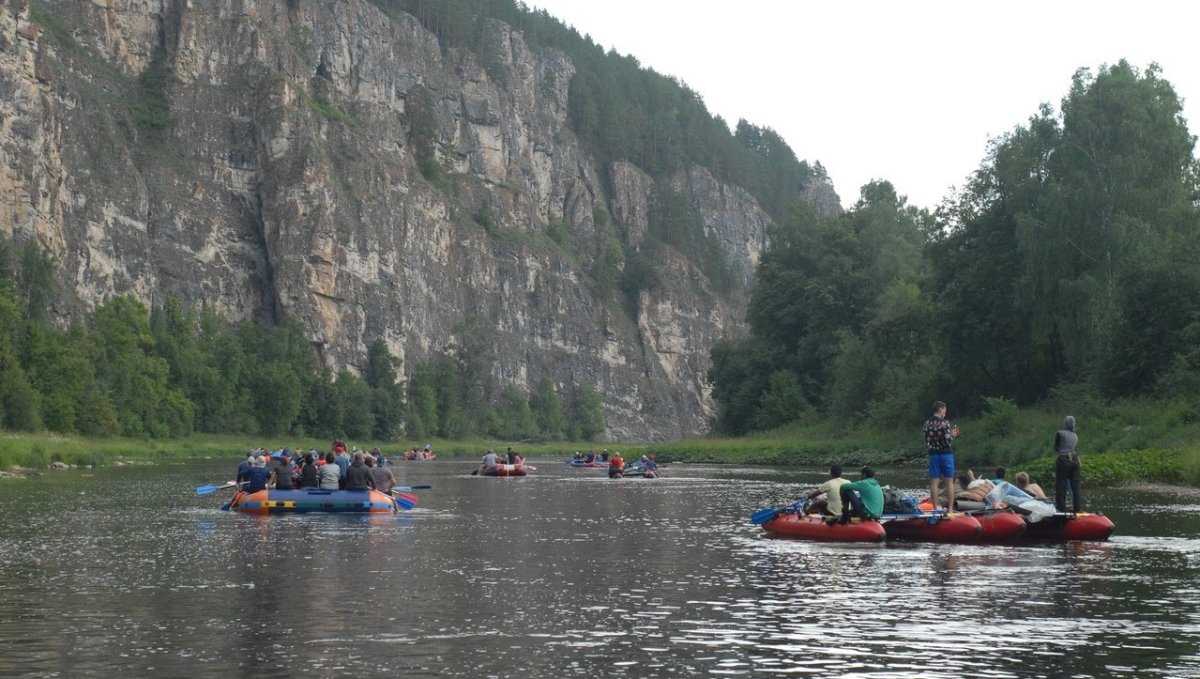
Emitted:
<point x="863" y="498"/>
<point x="342" y="460"/>
<point x="489" y="461"/>
<point x="384" y="478"/>
<point x="244" y="467"/>
<point x="257" y="477"/>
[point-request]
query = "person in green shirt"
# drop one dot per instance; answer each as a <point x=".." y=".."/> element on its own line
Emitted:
<point x="863" y="498"/>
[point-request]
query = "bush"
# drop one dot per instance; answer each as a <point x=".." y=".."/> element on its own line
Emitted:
<point x="1000" y="419"/>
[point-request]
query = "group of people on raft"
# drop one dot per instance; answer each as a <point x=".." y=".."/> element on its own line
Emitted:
<point x="647" y="466"/>
<point x="840" y="499"/>
<point x="491" y="460"/>
<point x="337" y="469"/>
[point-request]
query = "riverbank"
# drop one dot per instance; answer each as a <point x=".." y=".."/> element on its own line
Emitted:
<point x="1122" y="443"/>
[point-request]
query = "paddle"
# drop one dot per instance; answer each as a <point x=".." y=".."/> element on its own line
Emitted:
<point x="396" y="488"/>
<point x="405" y="500"/>
<point x="767" y="513"/>
<point x="210" y="489"/>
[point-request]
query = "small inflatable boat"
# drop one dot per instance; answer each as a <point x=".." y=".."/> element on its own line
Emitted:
<point x="814" y="527"/>
<point x="504" y="470"/>
<point x="274" y="501"/>
<point x="932" y="527"/>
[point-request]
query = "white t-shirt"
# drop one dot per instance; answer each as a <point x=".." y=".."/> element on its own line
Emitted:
<point x="489" y="460"/>
<point x="831" y="489"/>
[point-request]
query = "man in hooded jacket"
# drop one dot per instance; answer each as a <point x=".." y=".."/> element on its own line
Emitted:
<point x="1066" y="467"/>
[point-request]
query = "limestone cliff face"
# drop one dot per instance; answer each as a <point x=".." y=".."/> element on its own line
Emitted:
<point x="273" y="171"/>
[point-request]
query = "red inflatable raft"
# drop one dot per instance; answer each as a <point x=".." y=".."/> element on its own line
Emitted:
<point x="813" y="527"/>
<point x="952" y="527"/>
<point x="1082" y="526"/>
<point x="504" y="470"/>
<point x="1000" y="526"/>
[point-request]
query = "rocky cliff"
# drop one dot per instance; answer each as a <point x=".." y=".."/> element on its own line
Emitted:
<point x="260" y="157"/>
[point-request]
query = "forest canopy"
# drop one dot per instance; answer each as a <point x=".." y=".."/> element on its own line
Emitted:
<point x="1067" y="262"/>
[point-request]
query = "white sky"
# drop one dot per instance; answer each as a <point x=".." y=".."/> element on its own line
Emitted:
<point x="907" y="91"/>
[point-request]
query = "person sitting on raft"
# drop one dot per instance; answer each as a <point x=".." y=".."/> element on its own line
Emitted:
<point x="511" y="456"/>
<point x="308" y="473"/>
<point x="863" y="498"/>
<point x="383" y="477"/>
<point x="358" y="475"/>
<point x="616" y="466"/>
<point x="245" y="466"/>
<point x="489" y="461"/>
<point x="651" y="467"/>
<point x="281" y="474"/>
<point x="1033" y="489"/>
<point x="329" y="475"/>
<point x="832" y="504"/>
<point x="257" y="477"/>
<point x="591" y="457"/>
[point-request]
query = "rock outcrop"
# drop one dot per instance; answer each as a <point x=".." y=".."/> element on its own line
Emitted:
<point x="260" y="157"/>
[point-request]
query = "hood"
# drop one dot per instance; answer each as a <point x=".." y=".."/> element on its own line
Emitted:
<point x="1069" y="423"/>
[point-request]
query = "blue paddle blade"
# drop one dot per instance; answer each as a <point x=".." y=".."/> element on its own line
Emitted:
<point x="404" y="502"/>
<point x="207" y="490"/>
<point x="764" y="515"/>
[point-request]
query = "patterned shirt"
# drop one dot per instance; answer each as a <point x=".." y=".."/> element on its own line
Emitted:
<point x="937" y="434"/>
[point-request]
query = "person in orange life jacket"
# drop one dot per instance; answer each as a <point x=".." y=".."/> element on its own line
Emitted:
<point x="616" y="466"/>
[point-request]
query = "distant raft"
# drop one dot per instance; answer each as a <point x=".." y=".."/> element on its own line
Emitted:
<point x="304" y="500"/>
<point x="504" y="470"/>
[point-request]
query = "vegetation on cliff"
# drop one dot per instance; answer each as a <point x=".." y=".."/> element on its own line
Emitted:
<point x="170" y="371"/>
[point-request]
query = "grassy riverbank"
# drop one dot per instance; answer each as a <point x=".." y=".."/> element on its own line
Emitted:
<point x="1127" y="442"/>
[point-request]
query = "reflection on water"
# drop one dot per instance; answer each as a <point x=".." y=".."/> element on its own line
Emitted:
<point x="566" y="573"/>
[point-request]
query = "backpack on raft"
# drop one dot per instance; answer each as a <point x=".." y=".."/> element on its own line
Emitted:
<point x="896" y="502"/>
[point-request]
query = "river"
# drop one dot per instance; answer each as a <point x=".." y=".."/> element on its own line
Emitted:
<point x="126" y="571"/>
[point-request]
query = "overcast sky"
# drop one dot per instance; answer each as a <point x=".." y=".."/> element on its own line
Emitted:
<point x="909" y="91"/>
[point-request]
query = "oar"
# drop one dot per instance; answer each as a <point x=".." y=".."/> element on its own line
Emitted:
<point x="405" y="500"/>
<point x="210" y="489"/>
<point x="767" y="513"/>
<point x="395" y="488"/>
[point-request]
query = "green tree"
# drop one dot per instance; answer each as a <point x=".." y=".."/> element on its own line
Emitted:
<point x="514" y="416"/>
<point x="589" y="412"/>
<point x="136" y="381"/>
<point x="548" y="411"/>
<point x="387" y="397"/>
<point x="422" y="414"/>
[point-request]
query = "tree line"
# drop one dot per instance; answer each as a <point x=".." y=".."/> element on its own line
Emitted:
<point x="169" y="371"/>
<point x="1065" y="266"/>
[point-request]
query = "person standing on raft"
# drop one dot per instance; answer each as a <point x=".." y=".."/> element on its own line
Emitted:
<point x="939" y="441"/>
<point x="1066" y="467"/>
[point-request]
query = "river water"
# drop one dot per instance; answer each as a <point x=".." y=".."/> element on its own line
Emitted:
<point x="564" y="573"/>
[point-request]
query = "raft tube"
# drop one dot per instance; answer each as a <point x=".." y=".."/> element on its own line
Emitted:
<point x="1082" y="526"/>
<point x="274" y="501"/>
<point x="1000" y="526"/>
<point x="953" y="527"/>
<point x="504" y="470"/>
<point x="813" y="527"/>
<point x="586" y="465"/>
